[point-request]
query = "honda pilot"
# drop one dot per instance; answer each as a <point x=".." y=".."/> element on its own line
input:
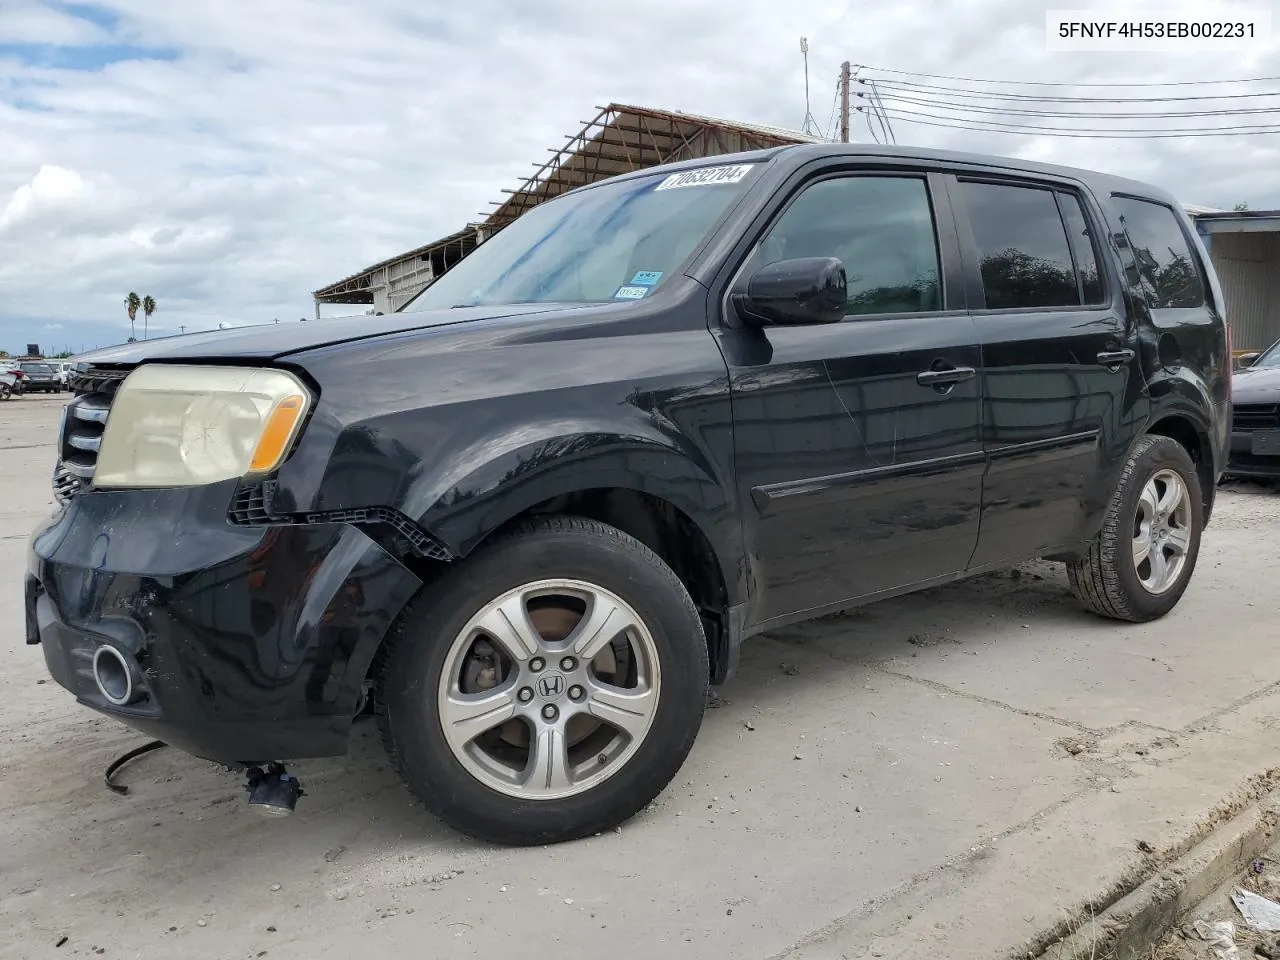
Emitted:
<point x="530" y="518"/>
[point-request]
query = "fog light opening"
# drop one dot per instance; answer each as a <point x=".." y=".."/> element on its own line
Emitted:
<point x="113" y="675"/>
<point x="273" y="792"/>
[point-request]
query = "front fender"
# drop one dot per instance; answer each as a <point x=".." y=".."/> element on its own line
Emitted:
<point x="465" y="429"/>
<point x="505" y="475"/>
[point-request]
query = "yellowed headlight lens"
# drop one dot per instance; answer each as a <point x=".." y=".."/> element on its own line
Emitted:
<point x="181" y="425"/>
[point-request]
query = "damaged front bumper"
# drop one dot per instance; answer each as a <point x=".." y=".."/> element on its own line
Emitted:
<point x="246" y="643"/>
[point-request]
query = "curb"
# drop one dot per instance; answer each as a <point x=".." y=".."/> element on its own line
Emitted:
<point x="1134" y="924"/>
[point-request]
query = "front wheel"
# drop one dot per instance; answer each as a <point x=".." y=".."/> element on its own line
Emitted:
<point x="1140" y="563"/>
<point x="5" y="391"/>
<point x="548" y="687"/>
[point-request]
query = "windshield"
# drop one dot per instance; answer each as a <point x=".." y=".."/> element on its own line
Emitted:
<point x="615" y="241"/>
<point x="1271" y="358"/>
<point x="37" y="368"/>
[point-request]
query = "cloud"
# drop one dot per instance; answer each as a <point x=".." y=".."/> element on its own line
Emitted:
<point x="51" y="189"/>
<point x="52" y="327"/>
<point x="265" y="149"/>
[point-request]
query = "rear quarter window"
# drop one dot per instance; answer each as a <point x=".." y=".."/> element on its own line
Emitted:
<point x="1168" y="271"/>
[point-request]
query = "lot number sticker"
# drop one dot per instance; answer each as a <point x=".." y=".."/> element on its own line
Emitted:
<point x="705" y="177"/>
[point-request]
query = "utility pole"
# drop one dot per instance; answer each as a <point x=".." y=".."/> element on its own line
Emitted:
<point x="844" y="102"/>
<point x="804" y="49"/>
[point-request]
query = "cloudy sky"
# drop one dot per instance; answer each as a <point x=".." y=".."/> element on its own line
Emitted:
<point x="229" y="156"/>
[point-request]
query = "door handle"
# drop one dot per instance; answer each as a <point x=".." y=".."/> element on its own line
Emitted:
<point x="1115" y="359"/>
<point x="946" y="377"/>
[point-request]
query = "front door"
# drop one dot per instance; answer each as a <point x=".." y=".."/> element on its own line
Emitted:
<point x="857" y="445"/>
<point x="1062" y="388"/>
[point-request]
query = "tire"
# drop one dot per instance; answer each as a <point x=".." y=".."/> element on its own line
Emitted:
<point x="5" y="391"/>
<point x="419" y="681"/>
<point x="1109" y="579"/>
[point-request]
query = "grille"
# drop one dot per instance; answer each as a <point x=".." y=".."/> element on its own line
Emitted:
<point x="65" y="485"/>
<point x="1246" y="418"/>
<point x="83" y="422"/>
<point x="253" y="505"/>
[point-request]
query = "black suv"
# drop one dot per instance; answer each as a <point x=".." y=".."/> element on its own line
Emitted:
<point x="531" y="517"/>
<point x="41" y="377"/>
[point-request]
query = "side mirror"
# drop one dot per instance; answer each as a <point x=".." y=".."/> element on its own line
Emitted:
<point x="793" y="292"/>
<point x="1247" y="360"/>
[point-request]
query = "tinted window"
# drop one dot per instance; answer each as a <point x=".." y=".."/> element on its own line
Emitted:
<point x="1022" y="246"/>
<point x="880" y="228"/>
<point x="1168" y="274"/>
<point x="1082" y="244"/>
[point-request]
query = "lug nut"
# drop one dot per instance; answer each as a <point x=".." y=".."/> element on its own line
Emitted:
<point x="576" y="693"/>
<point x="525" y="694"/>
<point x="549" y="712"/>
<point x="568" y="663"/>
<point x="536" y="664"/>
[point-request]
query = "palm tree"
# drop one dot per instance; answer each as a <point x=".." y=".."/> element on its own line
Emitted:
<point x="148" y="308"/>
<point x="131" y="304"/>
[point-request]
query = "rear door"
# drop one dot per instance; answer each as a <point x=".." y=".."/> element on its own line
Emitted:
<point x="857" y="445"/>
<point x="1062" y="392"/>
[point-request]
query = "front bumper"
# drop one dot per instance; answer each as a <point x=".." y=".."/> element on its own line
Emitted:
<point x="251" y="642"/>
<point x="1243" y="462"/>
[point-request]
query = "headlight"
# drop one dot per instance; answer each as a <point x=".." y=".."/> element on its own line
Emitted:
<point x="179" y="426"/>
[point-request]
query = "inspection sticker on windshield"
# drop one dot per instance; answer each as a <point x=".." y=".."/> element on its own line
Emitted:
<point x="705" y="176"/>
<point x="646" y="278"/>
<point x="631" y="293"/>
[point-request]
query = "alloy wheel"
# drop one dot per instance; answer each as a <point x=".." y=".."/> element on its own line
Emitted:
<point x="549" y="689"/>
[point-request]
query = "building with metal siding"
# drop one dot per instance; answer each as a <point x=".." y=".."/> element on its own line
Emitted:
<point x="1245" y="249"/>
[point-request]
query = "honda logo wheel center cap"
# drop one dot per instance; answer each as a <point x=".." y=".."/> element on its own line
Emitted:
<point x="551" y="686"/>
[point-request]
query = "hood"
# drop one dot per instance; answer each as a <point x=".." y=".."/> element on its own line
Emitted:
<point x="1257" y="385"/>
<point x="274" y="340"/>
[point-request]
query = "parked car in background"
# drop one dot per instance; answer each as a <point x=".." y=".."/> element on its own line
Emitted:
<point x="41" y="377"/>
<point x="535" y="514"/>
<point x="9" y="377"/>
<point x="1255" y="415"/>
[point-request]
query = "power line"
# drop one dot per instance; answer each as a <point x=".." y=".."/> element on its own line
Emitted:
<point x="1016" y="97"/>
<point x="992" y="126"/>
<point x="877" y="105"/>
<point x="835" y="106"/>
<point x="1045" y="83"/>
<point x="940" y="101"/>
<point x="1032" y="126"/>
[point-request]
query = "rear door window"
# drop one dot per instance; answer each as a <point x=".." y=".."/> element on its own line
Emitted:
<point x="1023" y="251"/>
<point x="1168" y="272"/>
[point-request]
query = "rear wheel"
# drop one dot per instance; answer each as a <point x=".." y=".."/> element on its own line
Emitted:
<point x="548" y="687"/>
<point x="1141" y="561"/>
<point x="5" y="391"/>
